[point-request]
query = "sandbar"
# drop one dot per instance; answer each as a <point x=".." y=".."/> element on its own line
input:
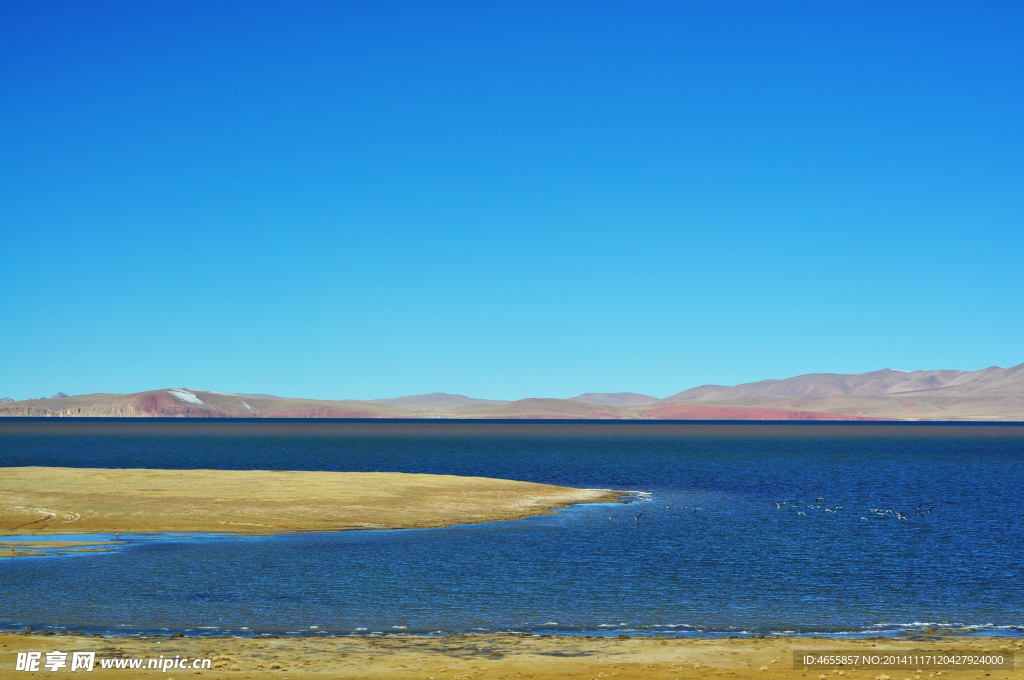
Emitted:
<point x="34" y="548"/>
<point x="48" y="500"/>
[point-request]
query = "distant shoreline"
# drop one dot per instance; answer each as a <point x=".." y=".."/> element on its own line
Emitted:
<point x="60" y="421"/>
<point x="511" y="421"/>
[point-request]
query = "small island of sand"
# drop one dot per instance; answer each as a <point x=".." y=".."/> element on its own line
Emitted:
<point x="45" y="500"/>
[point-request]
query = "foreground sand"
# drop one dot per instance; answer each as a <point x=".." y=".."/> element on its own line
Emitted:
<point x="41" y="500"/>
<point x="462" y="657"/>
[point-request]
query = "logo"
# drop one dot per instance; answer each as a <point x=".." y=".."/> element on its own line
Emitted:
<point x="55" y="660"/>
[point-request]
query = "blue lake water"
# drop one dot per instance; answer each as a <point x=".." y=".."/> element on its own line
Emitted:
<point x="740" y="564"/>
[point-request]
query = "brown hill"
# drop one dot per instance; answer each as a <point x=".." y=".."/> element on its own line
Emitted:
<point x="990" y="394"/>
<point x="542" y="409"/>
<point x="988" y="381"/>
<point x="435" y="400"/>
<point x="189" y="403"/>
<point x="616" y="398"/>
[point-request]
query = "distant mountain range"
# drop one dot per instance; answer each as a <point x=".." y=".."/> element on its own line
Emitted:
<point x="990" y="394"/>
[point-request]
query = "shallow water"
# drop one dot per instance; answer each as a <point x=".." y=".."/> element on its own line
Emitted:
<point x="738" y="564"/>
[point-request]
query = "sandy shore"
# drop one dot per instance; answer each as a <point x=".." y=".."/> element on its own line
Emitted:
<point x="41" y="500"/>
<point x="463" y="657"/>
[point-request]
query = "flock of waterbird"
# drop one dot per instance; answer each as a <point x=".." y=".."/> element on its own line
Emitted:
<point x="802" y="506"/>
<point x="636" y="517"/>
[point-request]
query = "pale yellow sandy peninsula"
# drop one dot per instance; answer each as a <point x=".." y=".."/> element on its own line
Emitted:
<point x="45" y="500"/>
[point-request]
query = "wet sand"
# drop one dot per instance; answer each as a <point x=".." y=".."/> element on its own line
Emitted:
<point x="34" y="548"/>
<point x="466" y="657"/>
<point x="44" y="500"/>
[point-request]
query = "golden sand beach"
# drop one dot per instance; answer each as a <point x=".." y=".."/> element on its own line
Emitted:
<point x="501" y="656"/>
<point x="43" y="500"/>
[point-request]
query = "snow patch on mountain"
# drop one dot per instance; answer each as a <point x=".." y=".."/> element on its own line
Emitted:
<point x="188" y="397"/>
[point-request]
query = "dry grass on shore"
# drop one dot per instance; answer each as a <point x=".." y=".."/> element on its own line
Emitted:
<point x="42" y="500"/>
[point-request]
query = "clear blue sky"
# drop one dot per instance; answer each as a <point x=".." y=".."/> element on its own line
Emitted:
<point x="361" y="200"/>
